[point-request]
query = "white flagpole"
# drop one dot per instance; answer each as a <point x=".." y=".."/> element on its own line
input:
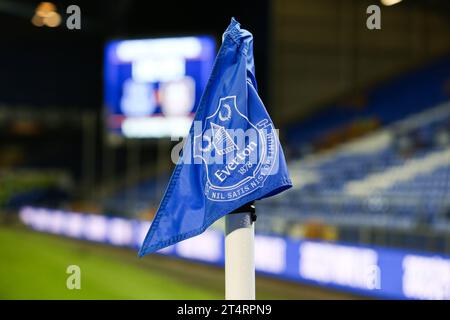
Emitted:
<point x="240" y="255"/>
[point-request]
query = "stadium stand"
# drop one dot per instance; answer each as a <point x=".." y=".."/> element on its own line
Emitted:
<point x="385" y="102"/>
<point x="395" y="178"/>
<point x="139" y="201"/>
<point x="386" y="184"/>
<point x="25" y="187"/>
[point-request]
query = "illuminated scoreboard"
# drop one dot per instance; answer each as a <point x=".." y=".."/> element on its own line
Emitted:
<point x="152" y="86"/>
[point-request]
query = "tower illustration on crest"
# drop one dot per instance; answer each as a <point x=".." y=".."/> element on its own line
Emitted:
<point x="222" y="141"/>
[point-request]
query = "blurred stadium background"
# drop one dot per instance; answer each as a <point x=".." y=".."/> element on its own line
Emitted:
<point x="86" y="118"/>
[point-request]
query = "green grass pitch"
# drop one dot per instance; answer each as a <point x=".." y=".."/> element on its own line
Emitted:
<point x="33" y="266"/>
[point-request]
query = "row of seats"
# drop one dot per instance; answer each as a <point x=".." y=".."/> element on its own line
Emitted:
<point x="399" y="175"/>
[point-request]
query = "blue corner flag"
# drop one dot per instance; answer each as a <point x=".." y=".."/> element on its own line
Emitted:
<point x="232" y="155"/>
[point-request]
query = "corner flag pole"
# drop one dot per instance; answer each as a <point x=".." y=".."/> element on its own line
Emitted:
<point x="240" y="253"/>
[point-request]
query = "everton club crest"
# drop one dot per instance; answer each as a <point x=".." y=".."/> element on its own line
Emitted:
<point x="238" y="153"/>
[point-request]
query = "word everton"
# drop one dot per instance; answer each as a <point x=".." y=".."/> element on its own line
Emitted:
<point x="232" y="165"/>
